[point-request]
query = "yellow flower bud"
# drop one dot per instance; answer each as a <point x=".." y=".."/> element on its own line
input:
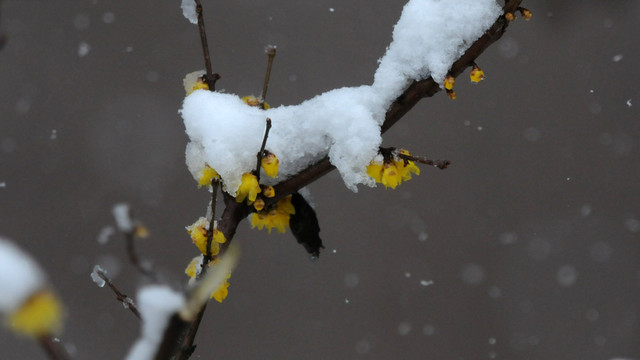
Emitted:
<point x="451" y="94"/>
<point x="509" y="16"/>
<point x="449" y="81"/>
<point x="258" y="204"/>
<point x="269" y="191"/>
<point x="476" y="74"/>
<point x="526" y="14"/>
<point x="270" y="164"/>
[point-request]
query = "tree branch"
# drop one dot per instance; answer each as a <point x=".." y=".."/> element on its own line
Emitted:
<point x="235" y="212"/>
<point x="404" y="103"/>
<point x="53" y="348"/>
<point x="123" y="298"/>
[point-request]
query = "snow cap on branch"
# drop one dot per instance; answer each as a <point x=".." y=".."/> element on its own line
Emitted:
<point x="343" y="124"/>
<point x="157" y="303"/>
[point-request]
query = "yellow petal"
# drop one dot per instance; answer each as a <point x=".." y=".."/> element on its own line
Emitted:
<point x="449" y="81"/>
<point x="249" y="188"/>
<point x="270" y="164"/>
<point x="390" y="176"/>
<point x="40" y="315"/>
<point x="374" y="169"/>
<point x="208" y="174"/>
<point x="476" y="74"/>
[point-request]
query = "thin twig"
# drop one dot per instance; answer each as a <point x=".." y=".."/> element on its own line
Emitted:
<point x="271" y="53"/>
<point x="440" y="164"/>
<point x="53" y="347"/>
<point x="145" y="270"/>
<point x="123" y="298"/>
<point x="261" y="152"/>
<point x="210" y="78"/>
<point x="208" y="256"/>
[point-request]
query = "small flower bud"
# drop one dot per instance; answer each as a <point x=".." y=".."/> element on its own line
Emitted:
<point x="258" y="204"/>
<point x="476" y="74"/>
<point x="526" y="14"/>
<point x="451" y="94"/>
<point x="269" y="191"/>
<point x="449" y="81"/>
<point x="509" y="16"/>
<point x="270" y="164"/>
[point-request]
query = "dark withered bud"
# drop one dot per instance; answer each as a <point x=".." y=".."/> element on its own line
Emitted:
<point x="304" y="226"/>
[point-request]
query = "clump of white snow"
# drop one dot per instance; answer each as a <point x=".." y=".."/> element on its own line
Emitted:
<point x="20" y="276"/>
<point x="95" y="276"/>
<point x="156" y="303"/>
<point x="122" y="215"/>
<point x="344" y="124"/>
<point x="189" y="10"/>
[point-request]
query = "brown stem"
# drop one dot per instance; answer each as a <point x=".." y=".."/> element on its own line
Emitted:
<point x="271" y="53"/>
<point x="210" y="78"/>
<point x="119" y="295"/>
<point x="53" y="347"/>
<point x="135" y="259"/>
<point x="261" y="152"/>
<point x="214" y="197"/>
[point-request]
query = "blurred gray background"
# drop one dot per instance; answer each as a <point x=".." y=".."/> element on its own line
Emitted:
<point x="526" y="248"/>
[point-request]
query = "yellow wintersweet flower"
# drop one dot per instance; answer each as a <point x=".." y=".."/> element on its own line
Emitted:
<point x="278" y="217"/>
<point x="249" y="189"/>
<point x="509" y="16"/>
<point x="449" y="81"/>
<point x="193" y="270"/>
<point x="222" y="291"/>
<point x="269" y="191"/>
<point x="476" y="74"/>
<point x="39" y="315"/>
<point x="219" y="237"/>
<point x="406" y="167"/>
<point x="199" y="231"/>
<point x="207" y="175"/>
<point x="254" y="101"/>
<point x="270" y="164"/>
